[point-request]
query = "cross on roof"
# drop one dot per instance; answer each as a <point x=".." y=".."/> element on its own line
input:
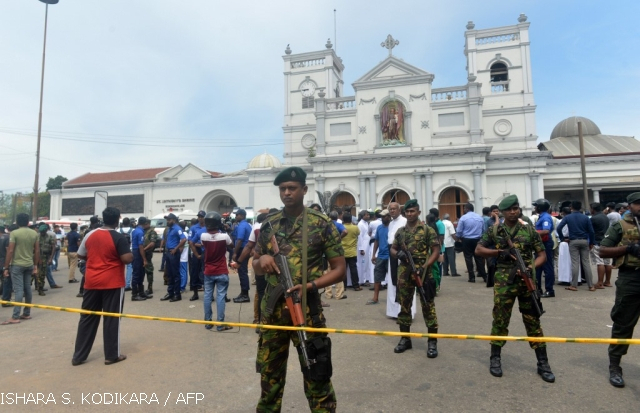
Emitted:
<point x="390" y="43"/>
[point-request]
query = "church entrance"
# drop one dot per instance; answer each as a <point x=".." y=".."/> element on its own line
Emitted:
<point x="395" y="195"/>
<point x="451" y="202"/>
<point x="219" y="201"/>
<point x="344" y="200"/>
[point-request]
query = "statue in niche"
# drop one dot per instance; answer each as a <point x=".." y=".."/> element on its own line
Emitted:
<point x="392" y="123"/>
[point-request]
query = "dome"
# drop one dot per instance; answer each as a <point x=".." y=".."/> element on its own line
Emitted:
<point x="569" y="127"/>
<point x="264" y="161"/>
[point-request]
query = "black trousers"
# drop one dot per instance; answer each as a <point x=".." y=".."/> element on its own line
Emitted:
<point x="352" y="263"/>
<point x="110" y="301"/>
<point x="469" y="249"/>
<point x="195" y="267"/>
<point x="137" y="273"/>
<point x="173" y="274"/>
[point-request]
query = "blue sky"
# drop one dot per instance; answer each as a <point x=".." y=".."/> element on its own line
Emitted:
<point x="182" y="74"/>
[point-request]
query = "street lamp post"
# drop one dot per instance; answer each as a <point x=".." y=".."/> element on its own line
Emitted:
<point x="44" y="47"/>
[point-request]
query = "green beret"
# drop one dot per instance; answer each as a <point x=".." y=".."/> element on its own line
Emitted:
<point x="291" y="174"/>
<point x="412" y="203"/>
<point x="634" y="197"/>
<point x="508" y="202"/>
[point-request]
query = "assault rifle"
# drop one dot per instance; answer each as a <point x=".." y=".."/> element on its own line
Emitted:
<point x="294" y="303"/>
<point x="527" y="276"/>
<point x="416" y="275"/>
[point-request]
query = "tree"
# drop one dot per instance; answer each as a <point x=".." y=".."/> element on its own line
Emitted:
<point x="56" y="183"/>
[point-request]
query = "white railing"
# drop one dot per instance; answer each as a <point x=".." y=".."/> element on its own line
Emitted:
<point x="307" y="63"/>
<point x="497" y="39"/>
<point x="500" y="87"/>
<point x="450" y="93"/>
<point x="348" y="102"/>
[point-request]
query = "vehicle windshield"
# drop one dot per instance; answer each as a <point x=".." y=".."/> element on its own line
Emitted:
<point x="161" y="222"/>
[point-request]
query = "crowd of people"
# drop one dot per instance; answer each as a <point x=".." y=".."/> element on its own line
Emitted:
<point x="392" y="248"/>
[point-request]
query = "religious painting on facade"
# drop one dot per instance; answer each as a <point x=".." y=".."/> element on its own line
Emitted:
<point x="392" y="124"/>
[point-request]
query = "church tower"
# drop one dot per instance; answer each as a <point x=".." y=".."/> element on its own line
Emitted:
<point x="307" y="77"/>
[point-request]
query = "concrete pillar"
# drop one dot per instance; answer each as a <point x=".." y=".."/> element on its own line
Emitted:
<point x="373" y="202"/>
<point x="252" y="191"/>
<point x="320" y="125"/>
<point x="535" y="189"/>
<point x="417" y="177"/>
<point x="363" y="196"/>
<point x="428" y="190"/>
<point x="319" y="185"/>
<point x="477" y="189"/>
<point x="596" y="195"/>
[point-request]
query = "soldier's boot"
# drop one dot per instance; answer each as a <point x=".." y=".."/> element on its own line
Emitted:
<point x="432" y="344"/>
<point x="495" y="362"/>
<point x="135" y="294"/>
<point x="150" y="289"/>
<point x="405" y="342"/>
<point x="615" y="371"/>
<point x="144" y="294"/>
<point x="544" y="370"/>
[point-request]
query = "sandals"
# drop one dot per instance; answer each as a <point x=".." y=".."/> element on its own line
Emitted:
<point x="118" y="360"/>
<point x="10" y="321"/>
<point x="224" y="328"/>
<point x="592" y="288"/>
<point x="371" y="302"/>
<point x="25" y="317"/>
<point x="571" y="288"/>
<point x="607" y="285"/>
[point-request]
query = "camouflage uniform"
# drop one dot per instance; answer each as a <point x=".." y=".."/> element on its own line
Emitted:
<point x="273" y="345"/>
<point x="47" y="245"/>
<point x="419" y="240"/>
<point x="150" y="237"/>
<point x="527" y="240"/>
<point x="625" y="311"/>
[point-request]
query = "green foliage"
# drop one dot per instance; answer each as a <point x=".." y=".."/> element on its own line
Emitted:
<point x="55" y="183"/>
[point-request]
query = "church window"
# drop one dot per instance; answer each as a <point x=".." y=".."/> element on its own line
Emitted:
<point x="307" y="102"/>
<point x="499" y="78"/>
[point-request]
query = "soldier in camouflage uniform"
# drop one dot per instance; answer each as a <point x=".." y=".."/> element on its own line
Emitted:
<point x="422" y="243"/>
<point x="149" y="243"/>
<point x="47" y="245"/>
<point x="273" y="345"/>
<point x="622" y="242"/>
<point x="527" y="241"/>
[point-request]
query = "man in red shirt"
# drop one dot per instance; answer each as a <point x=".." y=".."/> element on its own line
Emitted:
<point x="106" y="252"/>
<point x="216" y="273"/>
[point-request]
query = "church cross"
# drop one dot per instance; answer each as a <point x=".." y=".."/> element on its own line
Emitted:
<point x="390" y="43"/>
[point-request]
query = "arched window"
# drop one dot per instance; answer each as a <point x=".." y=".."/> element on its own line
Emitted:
<point x="499" y="78"/>
<point x="451" y="202"/>
<point x="395" y="195"/>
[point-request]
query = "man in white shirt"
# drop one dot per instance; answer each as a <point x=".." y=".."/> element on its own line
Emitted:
<point x="450" y="251"/>
<point x="364" y="258"/>
<point x="397" y="221"/>
<point x="373" y="226"/>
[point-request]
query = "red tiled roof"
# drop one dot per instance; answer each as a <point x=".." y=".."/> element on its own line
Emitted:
<point x="132" y="175"/>
<point x="215" y="174"/>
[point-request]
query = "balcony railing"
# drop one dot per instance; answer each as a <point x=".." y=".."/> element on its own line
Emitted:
<point x="449" y="93"/>
<point x="497" y="39"/>
<point x="307" y="63"/>
<point x="499" y="87"/>
<point x="348" y="102"/>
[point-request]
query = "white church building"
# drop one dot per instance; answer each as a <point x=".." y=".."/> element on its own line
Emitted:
<point x="397" y="138"/>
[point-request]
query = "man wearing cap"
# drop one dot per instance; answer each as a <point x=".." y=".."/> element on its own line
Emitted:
<point x="544" y="227"/>
<point x="421" y="241"/>
<point x="243" y="231"/>
<point x="622" y="242"/>
<point x="175" y="241"/>
<point x="139" y="262"/>
<point x="289" y="230"/>
<point x="494" y="243"/>
<point x="195" y="260"/>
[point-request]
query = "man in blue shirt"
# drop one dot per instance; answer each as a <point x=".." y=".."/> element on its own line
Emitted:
<point x="581" y="240"/>
<point x="381" y="261"/>
<point x="544" y="227"/>
<point x="243" y="230"/>
<point x="175" y="240"/>
<point x="195" y="260"/>
<point x="139" y="260"/>
<point x="73" y="242"/>
<point x="469" y="231"/>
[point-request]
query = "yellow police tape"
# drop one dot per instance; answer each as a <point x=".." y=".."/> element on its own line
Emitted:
<point x="337" y="330"/>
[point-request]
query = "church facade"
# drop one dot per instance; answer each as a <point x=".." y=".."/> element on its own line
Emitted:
<point x="396" y="138"/>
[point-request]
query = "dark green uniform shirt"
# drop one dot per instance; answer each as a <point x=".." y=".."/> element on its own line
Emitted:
<point x="623" y="233"/>
<point x="322" y="236"/>
<point x="524" y="238"/>
<point x="419" y="241"/>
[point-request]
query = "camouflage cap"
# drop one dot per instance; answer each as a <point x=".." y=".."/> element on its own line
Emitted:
<point x="412" y="203"/>
<point x="291" y="174"/>
<point x="508" y="202"/>
<point x="634" y="197"/>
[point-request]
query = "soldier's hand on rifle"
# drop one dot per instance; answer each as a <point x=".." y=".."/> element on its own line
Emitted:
<point x="402" y="256"/>
<point x="298" y="288"/>
<point x="505" y="255"/>
<point x="634" y="249"/>
<point x="268" y="264"/>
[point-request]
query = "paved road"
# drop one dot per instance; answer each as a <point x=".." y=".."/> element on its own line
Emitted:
<point x="170" y="359"/>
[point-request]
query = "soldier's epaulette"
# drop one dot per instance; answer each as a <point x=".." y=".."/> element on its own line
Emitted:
<point x="317" y="214"/>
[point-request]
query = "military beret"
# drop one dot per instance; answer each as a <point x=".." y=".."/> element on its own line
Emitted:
<point x="634" y="197"/>
<point x="291" y="174"/>
<point x="412" y="203"/>
<point x="508" y="202"/>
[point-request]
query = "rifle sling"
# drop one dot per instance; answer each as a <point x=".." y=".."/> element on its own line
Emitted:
<point x="305" y="246"/>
